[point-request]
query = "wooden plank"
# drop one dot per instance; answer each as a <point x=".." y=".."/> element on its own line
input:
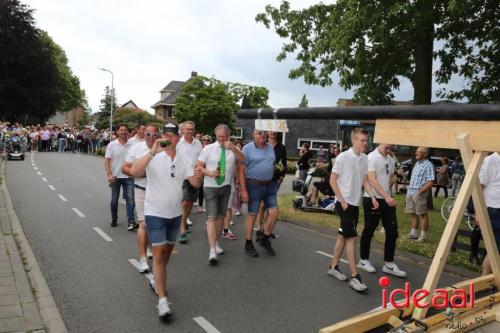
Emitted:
<point x="362" y="323"/>
<point x="450" y="230"/>
<point x="484" y="135"/>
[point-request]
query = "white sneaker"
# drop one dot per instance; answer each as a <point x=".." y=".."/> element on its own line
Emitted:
<point x="420" y="240"/>
<point x="231" y="223"/>
<point x="393" y="269"/>
<point x="357" y="285"/>
<point x="336" y="274"/>
<point x="163" y="309"/>
<point x="189" y="222"/>
<point x="237" y="213"/>
<point x="218" y="249"/>
<point x="411" y="236"/>
<point x="212" y="257"/>
<point x="149" y="254"/>
<point x="366" y="265"/>
<point x="143" y="265"/>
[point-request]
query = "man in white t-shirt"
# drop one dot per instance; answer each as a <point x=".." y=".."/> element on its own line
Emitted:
<point x="139" y="135"/>
<point x="489" y="177"/>
<point x="192" y="147"/>
<point x="381" y="175"/>
<point x="136" y="152"/>
<point x="217" y="162"/>
<point x="113" y="162"/>
<point x="166" y="171"/>
<point x="349" y="174"/>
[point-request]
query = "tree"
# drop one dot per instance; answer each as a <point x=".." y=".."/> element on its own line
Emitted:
<point x="33" y="84"/>
<point x="85" y="120"/>
<point x="206" y="101"/>
<point x="304" y="102"/>
<point x="105" y="109"/>
<point x="371" y="45"/>
<point x="133" y="117"/>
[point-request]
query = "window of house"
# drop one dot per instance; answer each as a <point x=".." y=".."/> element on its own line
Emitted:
<point x="315" y="143"/>
<point x="173" y="112"/>
<point x="237" y="133"/>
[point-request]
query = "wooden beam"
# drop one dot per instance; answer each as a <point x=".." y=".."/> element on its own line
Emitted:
<point x="482" y="213"/>
<point x="363" y="322"/>
<point x="443" y="249"/>
<point x="484" y="135"/>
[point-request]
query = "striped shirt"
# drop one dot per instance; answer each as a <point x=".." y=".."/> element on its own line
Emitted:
<point x="422" y="173"/>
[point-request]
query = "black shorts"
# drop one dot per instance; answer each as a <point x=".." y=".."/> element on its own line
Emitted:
<point x="348" y="220"/>
<point x="189" y="192"/>
<point x="324" y="188"/>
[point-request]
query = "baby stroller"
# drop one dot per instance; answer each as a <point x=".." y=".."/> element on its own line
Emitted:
<point x="326" y="205"/>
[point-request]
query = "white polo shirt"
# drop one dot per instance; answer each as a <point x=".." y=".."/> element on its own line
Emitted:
<point x="117" y="152"/>
<point x="164" y="184"/>
<point x="210" y="155"/>
<point x="134" y="153"/>
<point x="384" y="168"/>
<point x="192" y="150"/>
<point x="134" y="140"/>
<point x="489" y="176"/>
<point x="352" y="170"/>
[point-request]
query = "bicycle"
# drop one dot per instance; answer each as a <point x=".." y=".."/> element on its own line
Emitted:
<point x="447" y="207"/>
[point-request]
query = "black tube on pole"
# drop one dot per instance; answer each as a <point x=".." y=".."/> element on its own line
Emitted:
<point x="483" y="112"/>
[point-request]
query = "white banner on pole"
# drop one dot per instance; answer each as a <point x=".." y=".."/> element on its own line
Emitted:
<point x="271" y="125"/>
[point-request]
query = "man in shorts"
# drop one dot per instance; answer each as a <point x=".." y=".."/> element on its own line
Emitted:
<point x="349" y="174"/>
<point x="217" y="161"/>
<point x="190" y="146"/>
<point x="166" y="171"/>
<point x="136" y="152"/>
<point x="421" y="181"/>
<point x="489" y="177"/>
<point x="256" y="185"/>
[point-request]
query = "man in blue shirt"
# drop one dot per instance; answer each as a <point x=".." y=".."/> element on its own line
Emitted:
<point x="256" y="185"/>
<point x="421" y="181"/>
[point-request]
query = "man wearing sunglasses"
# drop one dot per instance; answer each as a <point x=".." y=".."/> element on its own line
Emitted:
<point x="190" y="146"/>
<point x="136" y="152"/>
<point x="381" y="171"/>
<point x="166" y="171"/>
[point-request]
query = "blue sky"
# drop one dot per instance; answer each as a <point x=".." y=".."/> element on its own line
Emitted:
<point x="149" y="43"/>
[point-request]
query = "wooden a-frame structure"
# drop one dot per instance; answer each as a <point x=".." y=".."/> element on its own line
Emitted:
<point x="475" y="131"/>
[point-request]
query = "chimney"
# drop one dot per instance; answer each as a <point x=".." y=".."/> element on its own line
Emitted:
<point x="194" y="74"/>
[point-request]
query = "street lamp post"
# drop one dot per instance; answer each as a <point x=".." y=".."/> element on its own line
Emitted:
<point x="112" y="98"/>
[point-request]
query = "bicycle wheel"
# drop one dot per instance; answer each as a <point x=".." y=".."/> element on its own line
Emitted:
<point x="446" y="208"/>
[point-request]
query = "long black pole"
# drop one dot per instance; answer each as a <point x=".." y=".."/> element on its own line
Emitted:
<point x="424" y="112"/>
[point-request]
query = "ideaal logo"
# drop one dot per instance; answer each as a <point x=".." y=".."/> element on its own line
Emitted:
<point x="440" y="299"/>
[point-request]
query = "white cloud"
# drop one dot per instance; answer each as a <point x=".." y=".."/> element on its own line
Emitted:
<point x="149" y="43"/>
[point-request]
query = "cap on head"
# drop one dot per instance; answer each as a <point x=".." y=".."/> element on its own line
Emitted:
<point x="172" y="128"/>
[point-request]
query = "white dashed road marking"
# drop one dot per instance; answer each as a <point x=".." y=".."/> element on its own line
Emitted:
<point x="62" y="198"/>
<point x="44" y="179"/>
<point x="52" y="187"/>
<point x="39" y="173"/>
<point x="148" y="276"/>
<point x="330" y="256"/>
<point x="35" y="168"/>
<point x="103" y="234"/>
<point x="209" y="328"/>
<point x="77" y="212"/>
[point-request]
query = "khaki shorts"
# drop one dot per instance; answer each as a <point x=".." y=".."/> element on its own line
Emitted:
<point x="416" y="204"/>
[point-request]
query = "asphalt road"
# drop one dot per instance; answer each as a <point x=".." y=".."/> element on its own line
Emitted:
<point x="98" y="290"/>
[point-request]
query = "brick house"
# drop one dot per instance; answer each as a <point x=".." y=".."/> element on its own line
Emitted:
<point x="165" y="107"/>
<point x="69" y="118"/>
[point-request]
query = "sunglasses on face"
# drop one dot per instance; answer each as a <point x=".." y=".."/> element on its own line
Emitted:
<point x="149" y="134"/>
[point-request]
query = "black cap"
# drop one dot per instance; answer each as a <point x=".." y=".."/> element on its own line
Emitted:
<point x="172" y="128"/>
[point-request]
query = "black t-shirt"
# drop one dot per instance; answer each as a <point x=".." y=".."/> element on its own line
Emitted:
<point x="303" y="162"/>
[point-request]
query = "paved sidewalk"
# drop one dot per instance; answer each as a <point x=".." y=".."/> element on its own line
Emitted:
<point x="26" y="303"/>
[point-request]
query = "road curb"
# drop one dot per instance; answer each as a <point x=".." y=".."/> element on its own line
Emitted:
<point x="379" y="248"/>
<point x="51" y="318"/>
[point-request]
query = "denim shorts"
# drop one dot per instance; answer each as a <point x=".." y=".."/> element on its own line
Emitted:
<point x="217" y="200"/>
<point x="261" y="192"/>
<point x="162" y="231"/>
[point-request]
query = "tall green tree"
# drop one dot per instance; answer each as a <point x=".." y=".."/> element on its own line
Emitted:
<point x="105" y="108"/>
<point x="304" y="103"/>
<point x="371" y="45"/>
<point x="208" y="102"/>
<point x="32" y="81"/>
<point x="133" y="117"/>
